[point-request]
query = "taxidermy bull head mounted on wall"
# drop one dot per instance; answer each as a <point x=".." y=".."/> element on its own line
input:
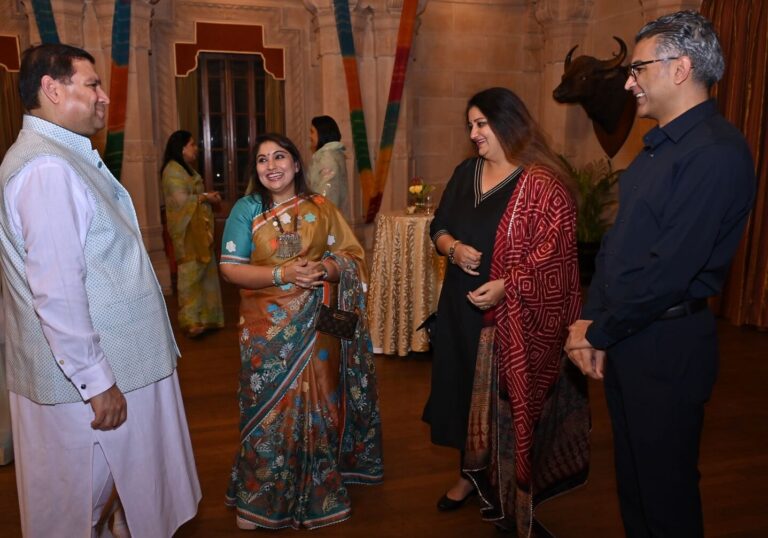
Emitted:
<point x="598" y="86"/>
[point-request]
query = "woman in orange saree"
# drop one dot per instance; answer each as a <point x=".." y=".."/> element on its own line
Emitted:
<point x="309" y="415"/>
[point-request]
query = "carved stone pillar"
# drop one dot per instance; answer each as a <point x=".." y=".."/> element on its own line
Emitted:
<point x="16" y="22"/>
<point x="31" y="26"/>
<point x="363" y="30"/>
<point x="333" y="85"/>
<point x="564" y="24"/>
<point x="386" y="24"/>
<point x="334" y="101"/>
<point x="653" y="9"/>
<point x="69" y="21"/>
<point x="375" y="25"/>
<point x="71" y="17"/>
<point x="140" y="168"/>
<point x="163" y="72"/>
<point x="99" y="23"/>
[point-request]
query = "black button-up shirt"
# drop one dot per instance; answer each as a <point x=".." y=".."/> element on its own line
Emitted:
<point x="683" y="204"/>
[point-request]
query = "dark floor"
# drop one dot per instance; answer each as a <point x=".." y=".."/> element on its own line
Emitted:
<point x="734" y="460"/>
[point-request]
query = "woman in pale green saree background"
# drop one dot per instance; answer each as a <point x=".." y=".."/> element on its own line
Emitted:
<point x="190" y="225"/>
<point x="327" y="174"/>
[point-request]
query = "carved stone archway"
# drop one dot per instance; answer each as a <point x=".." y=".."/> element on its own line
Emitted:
<point x="285" y="29"/>
<point x="230" y="38"/>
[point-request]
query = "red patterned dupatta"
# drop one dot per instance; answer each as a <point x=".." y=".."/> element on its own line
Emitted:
<point x="529" y="419"/>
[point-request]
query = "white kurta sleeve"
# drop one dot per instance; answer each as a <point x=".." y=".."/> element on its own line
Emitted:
<point x="51" y="210"/>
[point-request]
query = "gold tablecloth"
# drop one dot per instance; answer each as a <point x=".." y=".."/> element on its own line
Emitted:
<point x="406" y="276"/>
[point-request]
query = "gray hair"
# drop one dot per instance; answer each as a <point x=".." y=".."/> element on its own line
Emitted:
<point x="688" y="33"/>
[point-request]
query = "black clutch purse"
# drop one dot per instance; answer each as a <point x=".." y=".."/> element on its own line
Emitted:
<point x="335" y="322"/>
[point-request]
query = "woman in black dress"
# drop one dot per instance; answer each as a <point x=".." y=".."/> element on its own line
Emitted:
<point x="464" y="229"/>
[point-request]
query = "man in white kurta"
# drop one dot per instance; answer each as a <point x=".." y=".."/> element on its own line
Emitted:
<point x="94" y="395"/>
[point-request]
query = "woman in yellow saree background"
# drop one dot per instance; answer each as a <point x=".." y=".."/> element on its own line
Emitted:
<point x="190" y="225"/>
<point x="309" y="415"/>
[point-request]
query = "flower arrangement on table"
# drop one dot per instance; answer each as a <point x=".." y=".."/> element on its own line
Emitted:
<point x="419" y="195"/>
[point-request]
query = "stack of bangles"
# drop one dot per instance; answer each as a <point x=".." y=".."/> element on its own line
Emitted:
<point x="277" y="276"/>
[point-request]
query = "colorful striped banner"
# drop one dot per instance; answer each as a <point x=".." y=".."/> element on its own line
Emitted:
<point x="403" y="51"/>
<point x="118" y="86"/>
<point x="373" y="186"/>
<point x="356" y="115"/>
<point x="46" y="24"/>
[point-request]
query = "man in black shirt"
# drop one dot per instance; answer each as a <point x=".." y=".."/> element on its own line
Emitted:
<point x="683" y="204"/>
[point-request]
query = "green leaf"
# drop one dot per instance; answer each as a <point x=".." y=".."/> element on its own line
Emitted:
<point x="595" y="183"/>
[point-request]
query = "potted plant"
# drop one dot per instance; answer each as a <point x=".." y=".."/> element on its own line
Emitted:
<point x="595" y="182"/>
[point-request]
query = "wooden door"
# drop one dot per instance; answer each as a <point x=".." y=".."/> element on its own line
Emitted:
<point x="232" y="113"/>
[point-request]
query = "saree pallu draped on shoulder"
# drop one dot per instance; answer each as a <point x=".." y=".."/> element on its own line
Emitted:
<point x="310" y="420"/>
<point x="559" y="452"/>
<point x="528" y="433"/>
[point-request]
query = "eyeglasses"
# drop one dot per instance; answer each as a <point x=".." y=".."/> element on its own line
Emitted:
<point x="633" y="67"/>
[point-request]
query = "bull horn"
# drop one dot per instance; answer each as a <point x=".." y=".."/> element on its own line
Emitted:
<point x="568" y="56"/>
<point x="616" y="61"/>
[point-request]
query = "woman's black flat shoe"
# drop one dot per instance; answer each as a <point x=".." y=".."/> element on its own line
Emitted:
<point x="446" y="504"/>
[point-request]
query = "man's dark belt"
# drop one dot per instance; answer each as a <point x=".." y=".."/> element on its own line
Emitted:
<point x="686" y="308"/>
